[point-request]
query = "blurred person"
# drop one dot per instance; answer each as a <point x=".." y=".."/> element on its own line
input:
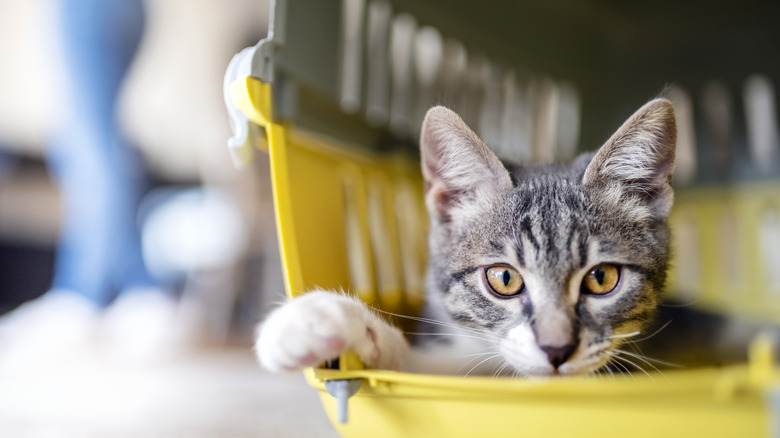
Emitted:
<point x="99" y="258"/>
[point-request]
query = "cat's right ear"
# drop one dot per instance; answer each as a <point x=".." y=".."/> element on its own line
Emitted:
<point x="457" y="166"/>
<point x="637" y="162"/>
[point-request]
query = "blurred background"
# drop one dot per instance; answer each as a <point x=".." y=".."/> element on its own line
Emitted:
<point x="547" y="80"/>
<point x="205" y="231"/>
<point x="171" y="109"/>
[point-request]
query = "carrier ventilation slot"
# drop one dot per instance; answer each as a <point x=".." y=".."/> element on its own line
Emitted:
<point x="412" y="243"/>
<point x="384" y="242"/>
<point x="770" y="245"/>
<point x="356" y="230"/>
<point x="383" y="226"/>
<point x="409" y="67"/>
<point x="732" y="272"/>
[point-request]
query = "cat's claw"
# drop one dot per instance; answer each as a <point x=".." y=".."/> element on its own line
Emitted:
<point x="321" y="325"/>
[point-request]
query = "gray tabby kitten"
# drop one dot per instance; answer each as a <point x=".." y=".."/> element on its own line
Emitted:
<point x="546" y="270"/>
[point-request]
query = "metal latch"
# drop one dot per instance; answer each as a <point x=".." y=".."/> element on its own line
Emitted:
<point x="342" y="390"/>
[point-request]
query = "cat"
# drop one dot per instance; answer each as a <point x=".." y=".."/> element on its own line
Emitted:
<point x="537" y="270"/>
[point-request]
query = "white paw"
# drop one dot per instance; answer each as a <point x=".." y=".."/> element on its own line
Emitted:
<point x="316" y="327"/>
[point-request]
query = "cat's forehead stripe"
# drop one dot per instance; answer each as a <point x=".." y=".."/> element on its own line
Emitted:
<point x="558" y="236"/>
<point x="519" y="251"/>
<point x="527" y="232"/>
<point x="578" y="236"/>
<point x="550" y="230"/>
<point x="496" y="246"/>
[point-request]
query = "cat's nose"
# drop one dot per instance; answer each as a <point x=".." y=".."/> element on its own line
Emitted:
<point x="558" y="355"/>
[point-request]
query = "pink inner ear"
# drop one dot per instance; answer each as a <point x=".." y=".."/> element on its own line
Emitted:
<point x="639" y="157"/>
<point x="439" y="200"/>
<point x="456" y="164"/>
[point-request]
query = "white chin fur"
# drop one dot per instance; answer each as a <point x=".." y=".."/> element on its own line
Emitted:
<point x="521" y="351"/>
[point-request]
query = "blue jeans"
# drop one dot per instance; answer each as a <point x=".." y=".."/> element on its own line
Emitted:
<point x="101" y="178"/>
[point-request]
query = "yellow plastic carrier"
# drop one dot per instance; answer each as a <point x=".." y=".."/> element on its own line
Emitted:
<point x="350" y="216"/>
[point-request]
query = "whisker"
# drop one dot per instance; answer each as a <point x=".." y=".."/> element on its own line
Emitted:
<point x="642" y="359"/>
<point x="498" y="372"/>
<point x="621" y="358"/>
<point x="652" y="334"/>
<point x="681" y="305"/>
<point x="461" y="335"/>
<point x="509" y="368"/>
<point x="420" y="319"/>
<point x="648" y="360"/>
<point x="634" y="347"/>
<point x="437" y="322"/>
<point x="481" y="362"/>
<point x="612" y="372"/>
<point x="510" y="371"/>
<point x="605" y="371"/>
<point x="481" y="353"/>
<point x="623" y="335"/>
<point x="476" y="356"/>
<point x="618" y="364"/>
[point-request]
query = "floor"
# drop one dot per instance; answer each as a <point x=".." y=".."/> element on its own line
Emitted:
<point x="209" y="393"/>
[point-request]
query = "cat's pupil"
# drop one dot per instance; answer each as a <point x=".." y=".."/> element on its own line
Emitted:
<point x="599" y="274"/>
<point x="506" y="277"/>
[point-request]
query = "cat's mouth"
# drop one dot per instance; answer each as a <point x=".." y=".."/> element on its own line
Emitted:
<point x="573" y="368"/>
<point x="531" y="361"/>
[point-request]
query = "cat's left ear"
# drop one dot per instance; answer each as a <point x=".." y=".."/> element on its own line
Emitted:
<point x="638" y="160"/>
<point x="459" y="169"/>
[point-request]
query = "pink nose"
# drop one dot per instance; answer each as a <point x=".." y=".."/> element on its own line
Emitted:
<point x="558" y="355"/>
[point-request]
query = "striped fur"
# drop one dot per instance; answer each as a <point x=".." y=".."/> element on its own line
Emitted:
<point x="553" y="224"/>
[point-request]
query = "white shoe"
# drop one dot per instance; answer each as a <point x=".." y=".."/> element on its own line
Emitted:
<point x="58" y="324"/>
<point x="142" y="326"/>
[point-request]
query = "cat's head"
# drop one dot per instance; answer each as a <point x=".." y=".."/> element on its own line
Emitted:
<point x="559" y="263"/>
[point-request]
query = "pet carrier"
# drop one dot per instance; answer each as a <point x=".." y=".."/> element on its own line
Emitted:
<point x="328" y="95"/>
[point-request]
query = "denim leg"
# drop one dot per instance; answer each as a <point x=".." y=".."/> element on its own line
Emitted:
<point x="101" y="178"/>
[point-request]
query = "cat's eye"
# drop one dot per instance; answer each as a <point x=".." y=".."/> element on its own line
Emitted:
<point x="601" y="279"/>
<point x="504" y="280"/>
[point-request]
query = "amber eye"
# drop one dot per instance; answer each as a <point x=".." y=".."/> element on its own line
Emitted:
<point x="602" y="279"/>
<point x="504" y="280"/>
